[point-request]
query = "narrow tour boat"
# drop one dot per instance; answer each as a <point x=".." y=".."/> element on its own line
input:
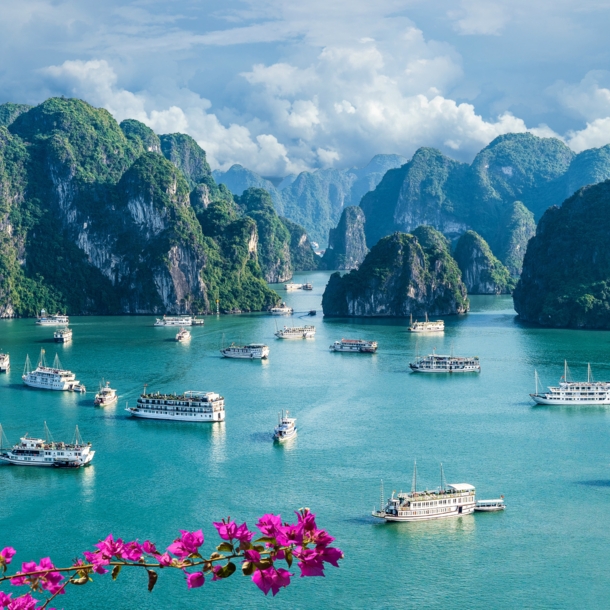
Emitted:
<point x="292" y="286"/>
<point x="354" y="345"/>
<point x="183" y="335"/>
<point x="307" y="286"/>
<point x="574" y="392"/>
<point x="5" y="363"/>
<point x="427" y="327"/>
<point x="490" y="506"/>
<point x="436" y="363"/>
<point x="281" y="310"/>
<point x="106" y="396"/>
<point x="63" y="335"/>
<point x="452" y="500"/>
<point x="46" y="452"/>
<point x="174" y="321"/>
<point x="44" y="320"/>
<point x="286" y="427"/>
<point x="53" y="377"/>
<point x="252" y="351"/>
<point x="200" y="407"/>
<point x="296" y="332"/>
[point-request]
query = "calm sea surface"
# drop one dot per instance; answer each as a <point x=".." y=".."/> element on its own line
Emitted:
<point x="361" y="418"/>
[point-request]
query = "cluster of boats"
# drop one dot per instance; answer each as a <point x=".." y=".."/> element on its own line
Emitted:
<point x="291" y="286"/>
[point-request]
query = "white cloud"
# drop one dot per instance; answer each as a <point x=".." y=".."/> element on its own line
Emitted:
<point x="479" y="17"/>
<point x="588" y="98"/>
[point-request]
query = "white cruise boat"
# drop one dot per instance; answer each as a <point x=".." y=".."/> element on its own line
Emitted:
<point x="437" y="326"/>
<point x="53" y="377"/>
<point x="183" y="335"/>
<point x="252" y="351"/>
<point x="106" y="396"/>
<point x="354" y="346"/>
<point x="574" y="392"/>
<point x="296" y="332"/>
<point x="307" y="286"/>
<point x="46" y="452"/>
<point x="490" y="506"/>
<point x="452" y="500"/>
<point x="174" y="321"/>
<point x="291" y="286"/>
<point x="286" y="427"/>
<point x="44" y="320"/>
<point x="5" y="363"/>
<point x="191" y="406"/>
<point x="281" y="310"/>
<point x="198" y="322"/>
<point x="63" y="335"/>
<point x="437" y="363"/>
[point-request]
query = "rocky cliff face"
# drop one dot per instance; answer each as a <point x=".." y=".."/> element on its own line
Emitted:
<point x="347" y="242"/>
<point x="94" y="220"/>
<point x="402" y="275"/>
<point x="566" y="270"/>
<point x="302" y="255"/>
<point x="482" y="272"/>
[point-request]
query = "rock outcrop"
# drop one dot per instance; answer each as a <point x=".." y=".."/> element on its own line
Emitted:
<point x="302" y="255"/>
<point x="482" y="272"/>
<point x="403" y="274"/>
<point x="566" y="271"/>
<point x="347" y="242"/>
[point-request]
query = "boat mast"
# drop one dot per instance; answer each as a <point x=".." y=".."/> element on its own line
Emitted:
<point x="27" y="368"/>
<point x="47" y="434"/>
<point x="536" y="380"/>
<point x="414" y="483"/>
<point x="42" y="362"/>
<point x="442" y="478"/>
<point x="381" y="490"/>
<point x="589" y="376"/>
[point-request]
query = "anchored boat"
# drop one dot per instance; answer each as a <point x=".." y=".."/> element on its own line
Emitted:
<point x="252" y="351"/>
<point x="183" y="335"/>
<point x="490" y="506"/>
<point x="574" y="392"/>
<point x="286" y="427"/>
<point x="296" y="332"/>
<point x="292" y="286"/>
<point x="447" y="501"/>
<point x="437" y="363"/>
<point x="63" y="335"/>
<point x="106" y="396"/>
<point x="354" y="345"/>
<point x="174" y="321"/>
<point x="281" y="310"/>
<point x="44" y="320"/>
<point x="53" y="377"/>
<point x="46" y="452"/>
<point x="199" y="407"/>
<point x="5" y="363"/>
<point x="427" y="327"/>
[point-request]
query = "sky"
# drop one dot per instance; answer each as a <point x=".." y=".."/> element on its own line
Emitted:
<point x="281" y="86"/>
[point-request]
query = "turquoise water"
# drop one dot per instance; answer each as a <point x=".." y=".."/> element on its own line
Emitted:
<point x="361" y="418"/>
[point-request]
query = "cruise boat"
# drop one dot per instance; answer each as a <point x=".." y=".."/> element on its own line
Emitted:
<point x="5" y="363"/>
<point x="490" y="506"/>
<point x="190" y="406"/>
<point x="437" y="326"/>
<point x="50" y="377"/>
<point x="198" y="322"/>
<point x="296" y="332"/>
<point x="106" y="396"/>
<point x="437" y="363"/>
<point x="286" y="427"/>
<point x="292" y="286"/>
<point x="447" y="501"/>
<point x="44" y="320"/>
<point x="183" y="335"/>
<point x="174" y="321"/>
<point x="307" y="286"/>
<point x="354" y="345"/>
<point x="63" y="335"/>
<point x="252" y="351"/>
<point x="46" y="452"/>
<point x="570" y="392"/>
<point x="281" y="310"/>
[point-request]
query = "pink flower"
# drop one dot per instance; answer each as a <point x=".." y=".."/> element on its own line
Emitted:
<point x="215" y="570"/>
<point x="331" y="555"/>
<point x="98" y="561"/>
<point x="111" y="547"/>
<point x="307" y="520"/>
<point x="132" y="551"/>
<point x="164" y="560"/>
<point x="231" y="531"/>
<point x="321" y="538"/>
<point x="290" y="534"/>
<point x="6" y="554"/>
<point x="271" y="579"/>
<point x="5" y="599"/>
<point x="149" y="548"/>
<point x="187" y="544"/>
<point x="269" y="524"/>
<point x="252" y="555"/>
<point x="25" y="602"/>
<point x="310" y="562"/>
<point x="194" y="580"/>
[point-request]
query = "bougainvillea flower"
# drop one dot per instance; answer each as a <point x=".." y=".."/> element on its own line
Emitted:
<point x="132" y="551"/>
<point x="307" y="520"/>
<point x="5" y="599"/>
<point x="98" y="561"/>
<point x="25" y="602"/>
<point x="231" y="531"/>
<point x="331" y="555"/>
<point x="6" y="555"/>
<point x="188" y="543"/>
<point x="194" y="580"/>
<point x="111" y="547"/>
<point x="290" y="534"/>
<point x="310" y="562"/>
<point x="252" y="555"/>
<point x="164" y="560"/>
<point x="271" y="579"/>
<point x="215" y="571"/>
<point x="149" y="548"/>
<point x="269" y="524"/>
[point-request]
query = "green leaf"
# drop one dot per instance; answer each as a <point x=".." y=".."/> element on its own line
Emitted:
<point x="225" y="546"/>
<point x="264" y="564"/>
<point x="227" y="570"/>
<point x="152" y="579"/>
<point x="288" y="557"/>
<point x="247" y="568"/>
<point x="82" y="580"/>
<point x="265" y="539"/>
<point x="115" y="572"/>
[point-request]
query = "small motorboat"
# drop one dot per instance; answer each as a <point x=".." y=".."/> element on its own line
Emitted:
<point x="285" y="429"/>
<point x="490" y="506"/>
<point x="312" y="312"/>
<point x="106" y="396"/>
<point x="183" y="336"/>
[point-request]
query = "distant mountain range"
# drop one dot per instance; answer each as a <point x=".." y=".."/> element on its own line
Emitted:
<point x="315" y="199"/>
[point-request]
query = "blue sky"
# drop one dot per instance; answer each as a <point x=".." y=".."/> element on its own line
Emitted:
<point x="283" y="86"/>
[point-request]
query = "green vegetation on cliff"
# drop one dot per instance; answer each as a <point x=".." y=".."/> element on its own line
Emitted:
<point x="9" y="112"/>
<point x="566" y="270"/>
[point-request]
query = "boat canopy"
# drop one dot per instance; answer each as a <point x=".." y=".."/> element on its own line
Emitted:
<point x="461" y="487"/>
<point x="490" y="502"/>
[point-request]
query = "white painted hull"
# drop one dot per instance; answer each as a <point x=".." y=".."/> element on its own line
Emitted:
<point x="489" y="509"/>
<point x="427" y="514"/>
<point x="22" y="461"/>
<point x="460" y="370"/>
<point x="61" y="387"/>
<point x="281" y="313"/>
<point x="217" y="416"/>
<point x="436" y="330"/>
<point x="106" y="402"/>
<point x="281" y="439"/>
<point x="542" y="400"/>
<point x="250" y="356"/>
<point x="301" y="336"/>
<point x="353" y="350"/>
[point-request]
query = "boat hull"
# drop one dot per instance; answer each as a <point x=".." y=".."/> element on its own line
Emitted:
<point x="424" y="515"/>
<point x="105" y="403"/>
<point x="59" y="387"/>
<point x="42" y="464"/>
<point x="489" y="509"/>
<point x="250" y="356"/>
<point x="281" y="439"/>
<point x="198" y="418"/>
<point x="540" y="399"/>
<point x="449" y="370"/>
